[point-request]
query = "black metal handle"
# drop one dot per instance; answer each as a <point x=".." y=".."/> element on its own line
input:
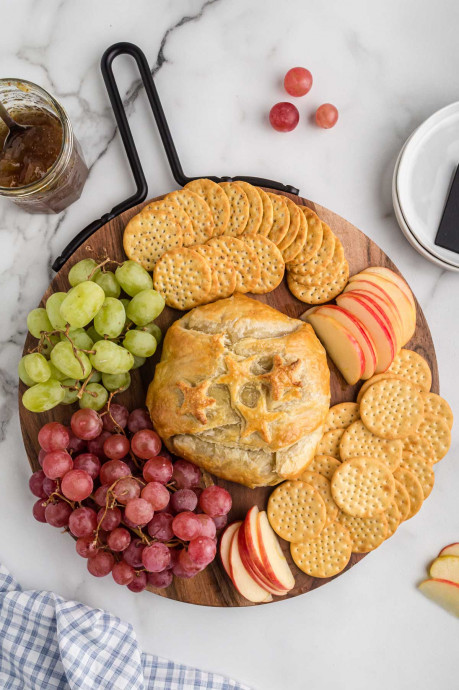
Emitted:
<point x="131" y="151"/>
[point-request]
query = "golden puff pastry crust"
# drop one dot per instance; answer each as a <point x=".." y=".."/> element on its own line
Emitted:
<point x="241" y="390"/>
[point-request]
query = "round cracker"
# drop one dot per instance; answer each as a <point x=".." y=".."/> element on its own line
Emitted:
<point x="411" y="366"/>
<point x="422" y="468"/>
<point x="325" y="556"/>
<point x="320" y="293"/>
<point x="325" y="465"/>
<point x="436" y="406"/>
<point x="199" y="213"/>
<point x="281" y="218"/>
<point x="363" y="487"/>
<point x="377" y="377"/>
<point x="330" y="443"/>
<point x="268" y="214"/>
<point x="183" y="277"/>
<point x="437" y="431"/>
<point x="294" y="224"/>
<point x="148" y="235"/>
<point x="173" y="209"/>
<point x="341" y="416"/>
<point x="255" y="207"/>
<point x="324" y="276"/>
<point x="216" y="199"/>
<point x="366" y="533"/>
<point x="244" y="260"/>
<point x="392" y="408"/>
<point x="357" y="440"/>
<point x="392" y="514"/>
<point x="223" y="273"/>
<point x="313" y="237"/>
<point x="296" y="511"/>
<point x="402" y="499"/>
<point x="272" y="265"/>
<point x="322" y="486"/>
<point x="292" y="251"/>
<point x="419" y="445"/>
<point x="414" y="488"/>
<point x="239" y="208"/>
<point x="321" y="258"/>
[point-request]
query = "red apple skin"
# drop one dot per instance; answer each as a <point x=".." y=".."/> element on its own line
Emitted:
<point x="394" y="278"/>
<point x="264" y="554"/>
<point x="240" y="574"/>
<point x="252" y="568"/>
<point x="448" y="546"/>
<point x="382" y="297"/>
<point x="376" y="306"/>
<point x="387" y="311"/>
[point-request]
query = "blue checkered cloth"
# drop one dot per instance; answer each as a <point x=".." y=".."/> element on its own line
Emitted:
<point x="47" y="642"/>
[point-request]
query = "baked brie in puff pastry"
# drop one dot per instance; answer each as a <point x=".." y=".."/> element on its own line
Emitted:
<point x="241" y="390"/>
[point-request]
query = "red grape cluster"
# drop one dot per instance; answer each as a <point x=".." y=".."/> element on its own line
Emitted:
<point x="134" y="509"/>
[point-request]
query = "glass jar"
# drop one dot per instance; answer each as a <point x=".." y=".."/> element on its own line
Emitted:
<point x="63" y="183"/>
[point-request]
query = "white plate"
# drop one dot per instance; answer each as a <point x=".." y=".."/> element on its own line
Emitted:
<point x="422" y="178"/>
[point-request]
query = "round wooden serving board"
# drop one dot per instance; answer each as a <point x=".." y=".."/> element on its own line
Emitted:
<point x="212" y="587"/>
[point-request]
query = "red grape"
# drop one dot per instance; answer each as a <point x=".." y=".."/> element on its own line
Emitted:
<point x="109" y="518"/>
<point x="183" y="499"/>
<point x="160" y="527"/>
<point x="53" y="436"/>
<point x="157" y="495"/>
<point x="175" y="553"/>
<point x="57" y="463"/>
<point x="146" y="444"/>
<point x="88" y="462"/>
<point x="101" y="564"/>
<point x="156" y="557"/>
<point x="77" y="485"/>
<point x="75" y="445"/>
<point x="123" y="573"/>
<point x="186" y="526"/>
<point x="215" y="500"/>
<point x="100" y="495"/>
<point x="139" y="419"/>
<point x="116" y="446"/>
<point x="83" y="522"/>
<point x="326" y="115"/>
<point x="160" y="580"/>
<point x="133" y="553"/>
<point x="96" y="445"/>
<point x="119" y="539"/>
<point x="41" y="456"/>
<point x="298" y="81"/>
<point x="220" y="521"/>
<point x="86" y="424"/>
<point x="157" y="469"/>
<point x="186" y="474"/>
<point x="113" y="470"/>
<point x="126" y="489"/>
<point x="138" y="511"/>
<point x="85" y="547"/>
<point x="202" y="550"/>
<point x="49" y="486"/>
<point x="116" y="419"/>
<point x="39" y="510"/>
<point x="139" y="582"/>
<point x="185" y="568"/>
<point x="57" y="514"/>
<point x="208" y="527"/>
<point x="284" y="117"/>
<point x="36" y="484"/>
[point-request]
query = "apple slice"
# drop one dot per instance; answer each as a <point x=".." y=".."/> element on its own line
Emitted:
<point x="272" y="556"/>
<point x="341" y="346"/>
<point x="382" y="337"/>
<point x="225" y="544"/>
<point x="356" y="328"/>
<point x="445" y="568"/>
<point x="442" y="592"/>
<point x="393" y="278"/>
<point x="381" y="308"/>
<point x="242" y="580"/>
<point x="385" y="302"/>
<point x="450" y="550"/>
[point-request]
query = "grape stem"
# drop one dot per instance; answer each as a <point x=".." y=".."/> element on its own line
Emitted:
<point x="83" y="387"/>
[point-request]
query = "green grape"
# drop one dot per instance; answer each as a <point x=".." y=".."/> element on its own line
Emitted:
<point x="43" y="396"/>
<point x="114" y="382"/>
<point x="70" y="396"/>
<point x="94" y="402"/>
<point x="79" y="337"/>
<point x="53" y="309"/>
<point x="47" y="345"/>
<point x="145" y="307"/>
<point x="110" y="318"/>
<point x="125" y="302"/>
<point x="64" y="359"/>
<point x="37" y="367"/>
<point x="153" y="329"/>
<point x="82" y="304"/>
<point x="23" y="375"/>
<point x="56" y="373"/>
<point x="110" y="358"/>
<point x="108" y="283"/>
<point x="140" y="343"/>
<point x="93" y="334"/>
<point x="138" y="362"/>
<point x="38" y="321"/>
<point x="81" y="271"/>
<point x="133" y="278"/>
<point x="96" y="377"/>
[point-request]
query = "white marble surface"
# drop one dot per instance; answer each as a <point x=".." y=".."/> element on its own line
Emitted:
<point x="219" y="66"/>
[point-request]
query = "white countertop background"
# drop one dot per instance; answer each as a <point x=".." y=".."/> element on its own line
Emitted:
<point x="219" y="68"/>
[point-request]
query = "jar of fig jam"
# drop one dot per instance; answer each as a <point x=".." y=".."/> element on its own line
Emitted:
<point x="42" y="169"/>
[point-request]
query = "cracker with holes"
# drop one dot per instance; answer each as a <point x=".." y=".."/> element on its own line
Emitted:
<point x="436" y="406"/>
<point x="419" y="445"/>
<point x="268" y="214"/>
<point x="239" y="208"/>
<point x="272" y="265"/>
<point x="357" y="440"/>
<point x="413" y="367"/>
<point x="341" y="416"/>
<point x="324" y="465"/>
<point x="255" y="207"/>
<point x="296" y="511"/>
<point x="198" y="212"/>
<point x="293" y="249"/>
<point x="216" y="200"/>
<point x="392" y="408"/>
<point x="183" y="277"/>
<point x="244" y="260"/>
<point x="325" y="556"/>
<point x="321" y="259"/>
<point x="223" y="273"/>
<point x="176" y="212"/>
<point x="392" y="514"/>
<point x="366" y="533"/>
<point x="148" y="235"/>
<point x="281" y="218"/>
<point x="377" y="377"/>
<point x="323" y="286"/>
<point x="402" y="499"/>
<point x="322" y="486"/>
<point x="437" y="431"/>
<point x="363" y="487"/>
<point x="423" y="470"/>
<point x="330" y="443"/>
<point x="313" y="237"/>
<point x="413" y="487"/>
<point x="294" y="224"/>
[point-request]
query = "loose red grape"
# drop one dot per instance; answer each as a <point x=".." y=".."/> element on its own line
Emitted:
<point x="100" y="495"/>
<point x="41" y="456"/>
<point x="49" y="486"/>
<point x="101" y="564"/>
<point x="138" y="583"/>
<point x="215" y="500"/>
<point x="109" y="518"/>
<point x="77" y="485"/>
<point x="83" y="522"/>
<point x="119" y="539"/>
<point x="75" y="445"/>
<point x="86" y="424"/>
<point x="138" y="511"/>
<point x="53" y="436"/>
<point x="158" y="469"/>
<point x="202" y="550"/>
<point x="284" y="117"/>
<point x="36" y="484"/>
<point x="146" y="444"/>
<point x="156" y="557"/>
<point x="123" y="573"/>
<point x="186" y="526"/>
<point x="126" y="489"/>
<point x="160" y="580"/>
<point x="96" y="445"/>
<point x="326" y="116"/>
<point x="57" y="463"/>
<point x="116" y="446"/>
<point x="88" y="462"/>
<point x="116" y="419"/>
<point x="57" y="514"/>
<point x="220" y="521"/>
<point x="85" y="547"/>
<point x="208" y="527"/>
<point x="113" y="470"/>
<point x="160" y="527"/>
<point x="186" y="474"/>
<point x="183" y="499"/>
<point x="298" y="81"/>
<point x="156" y="494"/>
<point x="133" y="553"/>
<point x="139" y="419"/>
<point x="39" y="510"/>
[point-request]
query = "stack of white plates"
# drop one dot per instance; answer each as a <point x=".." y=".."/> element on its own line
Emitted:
<point x="422" y="179"/>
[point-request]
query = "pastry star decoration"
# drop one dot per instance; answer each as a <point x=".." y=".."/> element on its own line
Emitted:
<point x="257" y="419"/>
<point x="282" y="377"/>
<point x="195" y="400"/>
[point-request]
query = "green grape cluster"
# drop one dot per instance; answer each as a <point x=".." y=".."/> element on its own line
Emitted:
<point x="90" y="338"/>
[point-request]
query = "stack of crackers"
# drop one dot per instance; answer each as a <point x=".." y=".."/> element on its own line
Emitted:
<point x="373" y="469"/>
<point x="208" y="240"/>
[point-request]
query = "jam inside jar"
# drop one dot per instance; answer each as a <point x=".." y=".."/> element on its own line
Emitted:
<point x="42" y="169"/>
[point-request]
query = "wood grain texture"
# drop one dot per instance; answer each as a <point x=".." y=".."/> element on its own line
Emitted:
<point x="212" y="587"/>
